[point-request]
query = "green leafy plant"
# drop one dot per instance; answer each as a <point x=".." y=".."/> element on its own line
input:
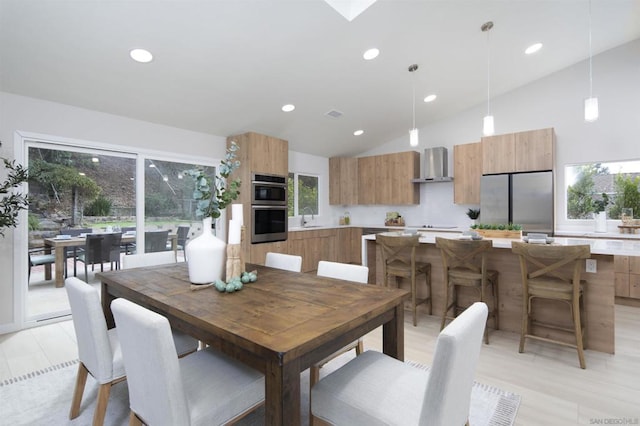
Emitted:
<point x="473" y="214"/>
<point x="34" y="222"/>
<point x="12" y="202"/>
<point x="214" y="194"/>
<point x="101" y="206"/>
<point x="600" y="204"/>
<point x="498" y="226"/>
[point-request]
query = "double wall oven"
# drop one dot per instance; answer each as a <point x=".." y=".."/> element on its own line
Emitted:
<point x="269" y="211"/>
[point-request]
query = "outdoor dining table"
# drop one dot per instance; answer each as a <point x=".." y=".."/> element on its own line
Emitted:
<point x="58" y="243"/>
<point x="280" y="325"/>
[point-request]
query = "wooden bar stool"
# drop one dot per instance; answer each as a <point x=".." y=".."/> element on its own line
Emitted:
<point x="553" y="273"/>
<point x="464" y="265"/>
<point x="399" y="260"/>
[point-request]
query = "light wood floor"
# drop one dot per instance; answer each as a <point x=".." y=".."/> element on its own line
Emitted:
<point x="554" y="390"/>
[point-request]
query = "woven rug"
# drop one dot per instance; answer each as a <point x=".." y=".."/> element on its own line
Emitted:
<point x="44" y="398"/>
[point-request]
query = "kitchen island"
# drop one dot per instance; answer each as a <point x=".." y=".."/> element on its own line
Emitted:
<point x="599" y="290"/>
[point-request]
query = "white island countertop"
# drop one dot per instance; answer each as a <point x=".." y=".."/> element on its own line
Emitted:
<point x="598" y="245"/>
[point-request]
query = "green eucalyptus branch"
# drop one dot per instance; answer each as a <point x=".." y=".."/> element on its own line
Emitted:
<point x="214" y="194"/>
<point x="12" y="202"/>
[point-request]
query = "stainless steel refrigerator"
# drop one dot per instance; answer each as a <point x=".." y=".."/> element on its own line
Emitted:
<point x="522" y="198"/>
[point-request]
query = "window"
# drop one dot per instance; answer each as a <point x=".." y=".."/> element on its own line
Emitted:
<point x="613" y="187"/>
<point x="303" y="194"/>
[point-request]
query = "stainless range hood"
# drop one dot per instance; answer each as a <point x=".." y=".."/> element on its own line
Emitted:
<point x="436" y="166"/>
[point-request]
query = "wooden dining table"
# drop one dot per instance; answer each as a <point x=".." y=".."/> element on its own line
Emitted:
<point x="280" y="325"/>
<point x="58" y="244"/>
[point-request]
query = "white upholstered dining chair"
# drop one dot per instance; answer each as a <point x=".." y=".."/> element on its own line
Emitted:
<point x="288" y="262"/>
<point x="99" y="348"/>
<point x="348" y="272"/>
<point x="375" y="389"/>
<point x="148" y="259"/>
<point x="205" y="388"/>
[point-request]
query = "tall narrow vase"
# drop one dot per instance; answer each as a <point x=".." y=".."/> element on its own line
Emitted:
<point x="206" y="256"/>
<point x="601" y="221"/>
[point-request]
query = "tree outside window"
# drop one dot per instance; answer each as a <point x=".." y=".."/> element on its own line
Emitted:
<point x="303" y="194"/>
<point x="612" y="186"/>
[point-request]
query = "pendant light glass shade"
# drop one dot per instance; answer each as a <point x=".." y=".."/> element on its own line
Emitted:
<point x="591" y="109"/>
<point x="487" y="126"/>
<point x="413" y="137"/>
<point x="413" y="133"/>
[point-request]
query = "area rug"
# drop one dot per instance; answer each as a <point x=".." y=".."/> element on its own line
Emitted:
<point x="44" y="398"/>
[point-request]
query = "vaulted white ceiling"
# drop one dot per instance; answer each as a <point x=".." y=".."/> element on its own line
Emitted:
<point x="227" y="66"/>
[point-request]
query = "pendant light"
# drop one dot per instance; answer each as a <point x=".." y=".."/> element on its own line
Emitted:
<point x="590" y="104"/>
<point x="488" y="128"/>
<point x="413" y="133"/>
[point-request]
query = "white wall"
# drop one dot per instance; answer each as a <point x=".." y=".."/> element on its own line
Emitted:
<point x="555" y="101"/>
<point x="21" y="114"/>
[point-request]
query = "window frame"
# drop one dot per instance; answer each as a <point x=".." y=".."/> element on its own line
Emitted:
<point x="296" y="206"/>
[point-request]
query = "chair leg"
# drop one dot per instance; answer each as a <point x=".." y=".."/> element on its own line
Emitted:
<point x="81" y="380"/>
<point x="414" y="299"/>
<point x="526" y="310"/>
<point x="427" y="277"/>
<point x="101" y="404"/>
<point x="577" y="326"/>
<point x="134" y="420"/>
<point x="314" y="375"/>
<point x="496" y="301"/>
<point x="446" y="304"/>
<point x="359" y="347"/>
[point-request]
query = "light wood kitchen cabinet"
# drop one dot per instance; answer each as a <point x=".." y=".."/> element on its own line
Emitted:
<point x="313" y="246"/>
<point x="621" y="275"/>
<point x="258" y="252"/>
<point x="257" y="154"/>
<point x="260" y="154"/>
<point x="518" y="152"/>
<point x="627" y="276"/>
<point x="343" y="180"/>
<point x="387" y="179"/>
<point x="634" y="277"/>
<point x="348" y="245"/>
<point x="367" y="180"/>
<point x="534" y="150"/>
<point x="498" y="154"/>
<point x="467" y="167"/>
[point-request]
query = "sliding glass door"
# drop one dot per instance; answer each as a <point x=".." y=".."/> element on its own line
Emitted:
<point x="77" y="190"/>
<point x="73" y="191"/>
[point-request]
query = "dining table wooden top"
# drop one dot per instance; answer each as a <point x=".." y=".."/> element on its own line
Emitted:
<point x="281" y="324"/>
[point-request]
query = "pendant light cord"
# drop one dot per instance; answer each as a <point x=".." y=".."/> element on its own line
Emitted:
<point x="414" y="101"/>
<point x="590" y="57"/>
<point x="488" y="75"/>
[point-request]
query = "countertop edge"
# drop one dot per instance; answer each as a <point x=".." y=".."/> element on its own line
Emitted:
<point x="598" y="245"/>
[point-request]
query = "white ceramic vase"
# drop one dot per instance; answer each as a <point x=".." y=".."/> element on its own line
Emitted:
<point x="601" y="221"/>
<point x="205" y="256"/>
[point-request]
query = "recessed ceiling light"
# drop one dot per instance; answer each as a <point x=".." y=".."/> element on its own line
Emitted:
<point x="141" y="55"/>
<point x="430" y="98"/>
<point x="371" y="54"/>
<point x="358" y="132"/>
<point x="288" y="107"/>
<point x="533" y="48"/>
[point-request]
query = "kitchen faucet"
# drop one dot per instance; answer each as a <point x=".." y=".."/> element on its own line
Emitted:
<point x="302" y="221"/>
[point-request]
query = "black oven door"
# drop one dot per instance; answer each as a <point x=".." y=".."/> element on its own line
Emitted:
<point x="269" y="224"/>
